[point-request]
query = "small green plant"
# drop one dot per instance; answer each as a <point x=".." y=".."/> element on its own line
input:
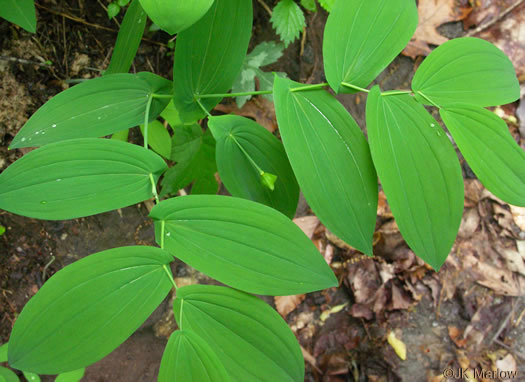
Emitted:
<point x="19" y="12"/>
<point x="247" y="241"/>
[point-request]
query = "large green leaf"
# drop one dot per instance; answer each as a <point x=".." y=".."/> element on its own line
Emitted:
<point x="331" y="159"/>
<point x="128" y="39"/>
<point x="244" y="244"/>
<point x="20" y="12"/>
<point x="362" y="37"/>
<point x="253" y="342"/>
<point x="209" y="56"/>
<point x="238" y="137"/>
<point x="419" y="172"/>
<point x="189" y="358"/>
<point x="194" y="153"/>
<point x="466" y="70"/>
<point x="87" y="309"/>
<point x="174" y="16"/>
<point x="79" y="177"/>
<point x="7" y="375"/>
<point x="490" y="150"/>
<point x="94" y="108"/>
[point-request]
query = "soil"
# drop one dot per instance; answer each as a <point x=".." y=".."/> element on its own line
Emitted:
<point x="348" y="345"/>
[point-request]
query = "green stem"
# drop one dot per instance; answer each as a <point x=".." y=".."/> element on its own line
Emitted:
<point x="202" y="107"/>
<point x="162" y="233"/>
<point x="396" y="92"/>
<point x="247" y="155"/>
<point x="170" y="276"/>
<point x="308" y="87"/>
<point x="222" y="95"/>
<point x="154" y="188"/>
<point x="155" y="95"/>
<point x="146" y="121"/>
<point x="429" y="100"/>
<point x="355" y="87"/>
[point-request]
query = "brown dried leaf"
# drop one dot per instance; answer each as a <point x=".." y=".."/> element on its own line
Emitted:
<point x="432" y="14"/>
<point x="518" y="214"/>
<point x="260" y="109"/>
<point x="308" y="224"/>
<point x="287" y="304"/>
<point x="455" y="335"/>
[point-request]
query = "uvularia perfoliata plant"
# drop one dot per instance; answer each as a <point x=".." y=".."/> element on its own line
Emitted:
<point x="247" y="241"/>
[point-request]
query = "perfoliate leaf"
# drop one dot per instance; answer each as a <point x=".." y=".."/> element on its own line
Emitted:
<point x="331" y="160"/>
<point x="490" y="150"/>
<point x="71" y="376"/>
<point x="79" y="177"/>
<point x="244" y="244"/>
<point x="194" y="153"/>
<point x="189" y="358"/>
<point x="174" y="16"/>
<point x="362" y="37"/>
<point x="128" y="39"/>
<point x="238" y="137"/>
<point x="87" y="309"/>
<point x="158" y="138"/>
<point x="19" y="12"/>
<point x="121" y="135"/>
<point x="209" y="56"/>
<point x="419" y="171"/>
<point x="254" y="342"/>
<point x="94" y="108"/>
<point x="288" y="20"/>
<point x="466" y="70"/>
<point x="7" y="375"/>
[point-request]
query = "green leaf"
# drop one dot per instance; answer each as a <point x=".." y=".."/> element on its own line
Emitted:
<point x="194" y="153"/>
<point x="189" y="358"/>
<point x="288" y="20"/>
<point x="466" y="70"/>
<point x="209" y="56"/>
<point x="244" y="244"/>
<point x="327" y="4"/>
<point x="174" y="16"/>
<point x="121" y="135"/>
<point x="309" y="4"/>
<point x="240" y="176"/>
<point x="490" y="150"/>
<point x="331" y="160"/>
<point x="128" y="39"/>
<point x="158" y="138"/>
<point x="3" y="352"/>
<point x="71" y="376"/>
<point x="7" y="375"/>
<point x="268" y="180"/>
<point x="254" y="343"/>
<point x="79" y="177"/>
<point x="265" y="53"/>
<point x="19" y="12"/>
<point x="113" y="10"/>
<point x="31" y="377"/>
<point x="87" y="309"/>
<point x="419" y="172"/>
<point x="362" y="37"/>
<point x="94" y="108"/>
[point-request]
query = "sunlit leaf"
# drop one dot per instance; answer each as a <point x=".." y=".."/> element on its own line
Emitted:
<point x="158" y="138"/>
<point x="19" y="12"/>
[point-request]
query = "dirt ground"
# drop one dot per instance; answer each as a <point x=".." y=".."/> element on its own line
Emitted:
<point x="470" y="314"/>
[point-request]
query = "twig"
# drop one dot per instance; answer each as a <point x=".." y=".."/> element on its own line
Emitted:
<point x="505" y="321"/>
<point x="265" y="6"/>
<point x="516" y="353"/>
<point x="22" y="61"/>
<point x="495" y="20"/>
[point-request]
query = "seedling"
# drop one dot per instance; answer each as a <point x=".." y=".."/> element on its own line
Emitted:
<point x="248" y="241"/>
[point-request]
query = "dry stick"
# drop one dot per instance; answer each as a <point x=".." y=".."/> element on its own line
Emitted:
<point x="505" y="321"/>
<point x="265" y="6"/>
<point x="497" y="19"/>
<point x="22" y="61"/>
<point x="82" y="21"/>
<point x="516" y="353"/>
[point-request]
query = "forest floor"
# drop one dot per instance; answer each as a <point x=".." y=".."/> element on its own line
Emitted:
<point x="469" y="315"/>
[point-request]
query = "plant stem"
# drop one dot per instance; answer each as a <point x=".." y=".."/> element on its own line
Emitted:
<point x="308" y="87"/>
<point x="154" y="188"/>
<point x="202" y="107"/>
<point x="162" y="232"/>
<point x="355" y="87"/>
<point x="155" y="95"/>
<point x="170" y="276"/>
<point x="222" y="95"/>
<point x="429" y="100"/>
<point x="146" y="121"/>
<point x="247" y="155"/>
<point x="396" y="92"/>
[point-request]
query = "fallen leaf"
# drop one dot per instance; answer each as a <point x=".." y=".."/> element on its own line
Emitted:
<point x="308" y="224"/>
<point x="398" y="345"/>
<point x="507" y="364"/>
<point x="455" y="335"/>
<point x="287" y="304"/>
<point x="310" y="359"/>
<point x="336" y="309"/>
<point x="518" y="214"/>
<point x="432" y="14"/>
<point x="260" y="109"/>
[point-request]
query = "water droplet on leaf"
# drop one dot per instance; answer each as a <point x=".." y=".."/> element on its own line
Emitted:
<point x="43" y="202"/>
